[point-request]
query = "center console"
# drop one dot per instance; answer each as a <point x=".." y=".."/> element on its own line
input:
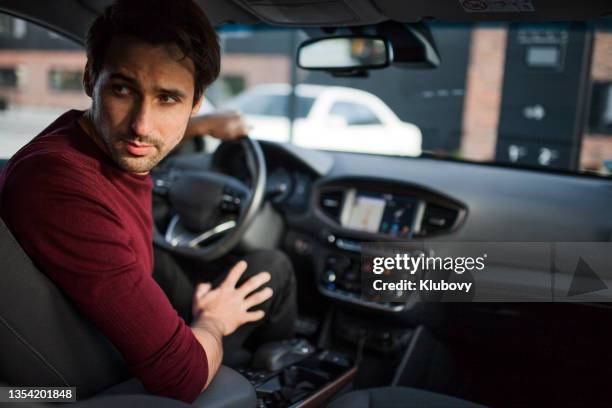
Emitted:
<point x="295" y="374"/>
<point x="357" y="210"/>
<point x="327" y="242"/>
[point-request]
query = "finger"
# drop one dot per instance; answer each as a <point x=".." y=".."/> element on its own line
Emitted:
<point x="258" y="298"/>
<point x="254" y="316"/>
<point x="233" y="112"/>
<point x="243" y="129"/>
<point x="235" y="116"/>
<point x="238" y="128"/>
<point x="253" y="283"/>
<point x="234" y="275"/>
<point x="202" y="289"/>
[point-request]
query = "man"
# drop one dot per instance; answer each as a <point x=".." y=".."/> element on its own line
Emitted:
<point x="78" y="199"/>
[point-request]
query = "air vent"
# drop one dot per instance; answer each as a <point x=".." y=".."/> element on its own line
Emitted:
<point x="438" y="219"/>
<point x="331" y="203"/>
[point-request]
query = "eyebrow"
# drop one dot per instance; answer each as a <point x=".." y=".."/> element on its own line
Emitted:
<point x="132" y="81"/>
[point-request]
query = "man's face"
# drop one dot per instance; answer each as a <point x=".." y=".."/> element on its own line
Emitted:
<point x="142" y="101"/>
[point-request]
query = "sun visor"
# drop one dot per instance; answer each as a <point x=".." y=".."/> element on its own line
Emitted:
<point x="310" y="12"/>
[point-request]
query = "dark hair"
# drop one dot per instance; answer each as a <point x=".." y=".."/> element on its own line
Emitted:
<point x="180" y="22"/>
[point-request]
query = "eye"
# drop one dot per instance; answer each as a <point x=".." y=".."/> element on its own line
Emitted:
<point x="168" y="99"/>
<point x="121" y="89"/>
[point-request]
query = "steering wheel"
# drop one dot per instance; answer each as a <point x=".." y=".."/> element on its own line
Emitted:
<point x="212" y="211"/>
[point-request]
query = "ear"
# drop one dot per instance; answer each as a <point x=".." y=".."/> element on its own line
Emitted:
<point x="88" y="81"/>
<point x="198" y="104"/>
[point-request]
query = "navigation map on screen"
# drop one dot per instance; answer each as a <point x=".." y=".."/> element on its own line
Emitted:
<point x="366" y="213"/>
<point x="384" y="213"/>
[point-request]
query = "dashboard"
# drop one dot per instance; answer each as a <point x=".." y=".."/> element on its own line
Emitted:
<point x="327" y="218"/>
<point x="356" y="198"/>
<point x="379" y="207"/>
<point x="493" y="203"/>
<point x="331" y="202"/>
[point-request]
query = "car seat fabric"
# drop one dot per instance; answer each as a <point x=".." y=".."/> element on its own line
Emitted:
<point x="44" y="340"/>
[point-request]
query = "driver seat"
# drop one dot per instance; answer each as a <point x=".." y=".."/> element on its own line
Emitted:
<point x="44" y="341"/>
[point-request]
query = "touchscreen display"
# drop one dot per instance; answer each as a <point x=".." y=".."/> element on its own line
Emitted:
<point x="366" y="213"/>
<point x="383" y="213"/>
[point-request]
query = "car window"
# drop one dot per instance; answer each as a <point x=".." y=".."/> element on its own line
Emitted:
<point x="303" y="106"/>
<point x="355" y="114"/>
<point x="40" y="78"/>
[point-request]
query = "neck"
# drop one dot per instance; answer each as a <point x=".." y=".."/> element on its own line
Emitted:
<point x="87" y="125"/>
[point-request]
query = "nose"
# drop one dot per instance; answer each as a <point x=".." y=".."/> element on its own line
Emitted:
<point x="142" y="120"/>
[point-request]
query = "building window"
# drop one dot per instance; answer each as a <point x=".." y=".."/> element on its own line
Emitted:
<point x="600" y="118"/>
<point x="12" y="27"/>
<point x="8" y="78"/>
<point x="65" y="80"/>
<point x="5" y="26"/>
<point x="20" y="28"/>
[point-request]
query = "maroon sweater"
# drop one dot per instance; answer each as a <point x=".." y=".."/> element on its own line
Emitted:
<point x="87" y="225"/>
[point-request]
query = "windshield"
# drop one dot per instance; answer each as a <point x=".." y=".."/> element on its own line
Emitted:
<point x="537" y="95"/>
<point x="528" y="95"/>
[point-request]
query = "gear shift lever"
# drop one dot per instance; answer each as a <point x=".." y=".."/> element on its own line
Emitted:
<point x="280" y="354"/>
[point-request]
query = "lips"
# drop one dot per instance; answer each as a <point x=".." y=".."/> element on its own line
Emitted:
<point x="138" y="149"/>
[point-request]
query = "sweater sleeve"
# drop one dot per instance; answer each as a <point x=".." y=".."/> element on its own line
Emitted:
<point x="57" y="213"/>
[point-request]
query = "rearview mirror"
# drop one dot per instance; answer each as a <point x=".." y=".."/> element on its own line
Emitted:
<point x="344" y="53"/>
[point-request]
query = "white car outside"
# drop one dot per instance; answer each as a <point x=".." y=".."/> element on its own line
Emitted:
<point x="327" y="117"/>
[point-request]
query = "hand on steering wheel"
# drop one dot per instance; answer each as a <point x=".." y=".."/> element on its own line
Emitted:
<point x="225" y="125"/>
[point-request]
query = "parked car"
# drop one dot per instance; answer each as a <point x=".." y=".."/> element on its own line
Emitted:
<point x="327" y="117"/>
